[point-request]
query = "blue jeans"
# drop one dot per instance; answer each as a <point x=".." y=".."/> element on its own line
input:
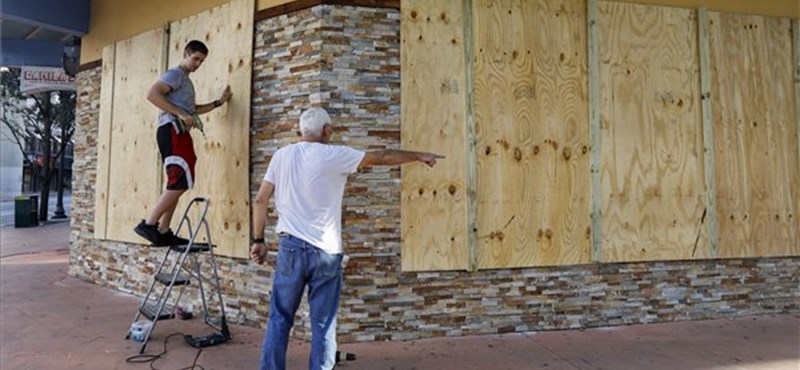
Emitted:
<point x="300" y="264"/>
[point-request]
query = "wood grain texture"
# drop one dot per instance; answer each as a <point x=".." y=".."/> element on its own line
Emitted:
<point x="652" y="154"/>
<point x="104" y="142"/>
<point x="135" y="165"/>
<point x="532" y="133"/>
<point x="433" y="118"/>
<point x="223" y="154"/>
<point x="757" y="174"/>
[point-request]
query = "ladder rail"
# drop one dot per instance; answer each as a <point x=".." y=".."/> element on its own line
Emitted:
<point x="180" y="265"/>
<point x="214" y="268"/>
<point x="149" y="291"/>
<point x="163" y="298"/>
<point x="206" y="202"/>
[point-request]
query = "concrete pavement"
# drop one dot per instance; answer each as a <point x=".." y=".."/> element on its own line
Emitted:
<point x="51" y="321"/>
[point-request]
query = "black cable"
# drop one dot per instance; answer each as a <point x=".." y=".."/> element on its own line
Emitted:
<point x="141" y="359"/>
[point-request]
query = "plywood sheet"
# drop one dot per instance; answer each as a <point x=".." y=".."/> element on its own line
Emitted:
<point x="433" y="113"/>
<point x="757" y="178"/>
<point x="134" y="163"/>
<point x="223" y="164"/>
<point x="653" y="187"/>
<point x="104" y="142"/>
<point x="532" y="133"/>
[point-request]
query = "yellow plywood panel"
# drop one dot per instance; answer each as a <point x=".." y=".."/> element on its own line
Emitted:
<point x="653" y="190"/>
<point x="758" y="185"/>
<point x="134" y="169"/>
<point x="114" y="20"/>
<point x="223" y="155"/>
<point x="104" y="142"/>
<point x="433" y="105"/>
<point x="532" y="133"/>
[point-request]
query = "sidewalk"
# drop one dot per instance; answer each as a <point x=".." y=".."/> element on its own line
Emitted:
<point x="51" y="321"/>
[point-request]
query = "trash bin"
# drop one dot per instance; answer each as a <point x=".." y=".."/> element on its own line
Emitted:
<point x="26" y="211"/>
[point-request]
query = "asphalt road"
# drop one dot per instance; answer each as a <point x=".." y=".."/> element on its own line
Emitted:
<point x="7" y="208"/>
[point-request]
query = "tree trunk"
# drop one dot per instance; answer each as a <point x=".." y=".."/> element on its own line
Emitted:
<point x="59" y="212"/>
<point x="47" y="152"/>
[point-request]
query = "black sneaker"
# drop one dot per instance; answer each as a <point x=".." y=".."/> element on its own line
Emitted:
<point x="149" y="232"/>
<point x="169" y="238"/>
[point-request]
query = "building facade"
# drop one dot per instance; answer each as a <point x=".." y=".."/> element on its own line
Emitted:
<point x="346" y="59"/>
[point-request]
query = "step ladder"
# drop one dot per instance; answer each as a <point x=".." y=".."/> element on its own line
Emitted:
<point x="180" y="267"/>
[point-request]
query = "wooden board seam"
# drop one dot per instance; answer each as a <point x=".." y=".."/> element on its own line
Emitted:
<point x="708" y="130"/>
<point x="796" y="44"/>
<point x="101" y="174"/>
<point x="472" y="176"/>
<point x="594" y="127"/>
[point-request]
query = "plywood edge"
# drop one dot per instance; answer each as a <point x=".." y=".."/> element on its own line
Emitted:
<point x="470" y="142"/>
<point x="796" y="46"/>
<point x="240" y="247"/>
<point x="104" y="142"/>
<point x="297" y="5"/>
<point x="708" y="130"/>
<point x="594" y="128"/>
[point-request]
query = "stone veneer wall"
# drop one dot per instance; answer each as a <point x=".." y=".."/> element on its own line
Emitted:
<point x="346" y="59"/>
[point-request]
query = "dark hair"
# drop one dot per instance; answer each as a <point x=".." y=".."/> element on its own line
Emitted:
<point x="195" y="46"/>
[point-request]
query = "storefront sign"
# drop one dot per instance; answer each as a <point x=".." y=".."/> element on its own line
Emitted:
<point x="38" y="79"/>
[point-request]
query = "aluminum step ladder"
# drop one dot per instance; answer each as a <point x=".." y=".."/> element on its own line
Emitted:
<point x="180" y="267"/>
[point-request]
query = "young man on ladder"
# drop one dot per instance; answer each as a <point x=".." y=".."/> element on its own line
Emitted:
<point x="173" y="93"/>
<point x="308" y="179"/>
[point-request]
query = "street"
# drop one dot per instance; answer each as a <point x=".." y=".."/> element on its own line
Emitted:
<point x="7" y="208"/>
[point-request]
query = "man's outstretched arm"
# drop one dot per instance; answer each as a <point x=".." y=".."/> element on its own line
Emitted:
<point x="392" y="157"/>
<point x="208" y="107"/>
<point x="258" y="251"/>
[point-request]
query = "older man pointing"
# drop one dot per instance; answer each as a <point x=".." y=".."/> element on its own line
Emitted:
<point x="308" y="179"/>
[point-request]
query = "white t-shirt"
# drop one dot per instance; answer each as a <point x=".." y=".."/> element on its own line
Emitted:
<point x="309" y="181"/>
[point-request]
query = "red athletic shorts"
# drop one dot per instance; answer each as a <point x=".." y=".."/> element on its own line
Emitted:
<point x="177" y="152"/>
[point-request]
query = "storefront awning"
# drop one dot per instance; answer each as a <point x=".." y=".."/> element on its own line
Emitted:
<point x="42" y="32"/>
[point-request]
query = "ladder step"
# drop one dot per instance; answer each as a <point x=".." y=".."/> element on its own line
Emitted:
<point x="165" y="278"/>
<point x="149" y="311"/>
<point x="196" y="247"/>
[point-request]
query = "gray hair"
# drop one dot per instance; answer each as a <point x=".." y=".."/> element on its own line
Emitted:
<point x="312" y="121"/>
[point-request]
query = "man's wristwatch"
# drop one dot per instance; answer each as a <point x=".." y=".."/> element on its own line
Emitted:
<point x="217" y="103"/>
<point x="257" y="240"/>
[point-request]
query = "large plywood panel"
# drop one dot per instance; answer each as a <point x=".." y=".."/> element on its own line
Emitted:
<point x="532" y="133"/>
<point x="653" y="191"/>
<point x="134" y="166"/>
<point x="223" y="164"/>
<point x="104" y="142"/>
<point x="433" y="113"/>
<point x="758" y="185"/>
